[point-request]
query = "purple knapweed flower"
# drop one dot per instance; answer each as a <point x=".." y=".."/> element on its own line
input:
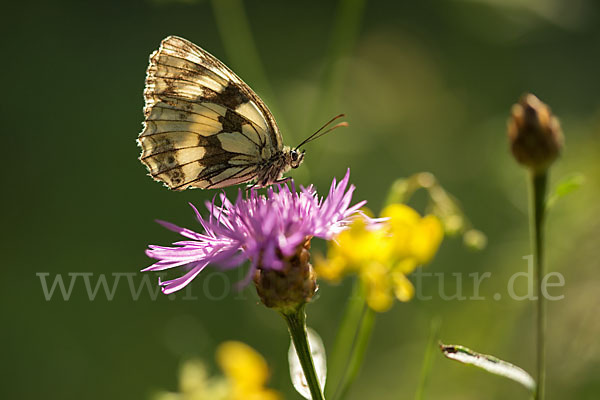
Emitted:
<point x="263" y="229"/>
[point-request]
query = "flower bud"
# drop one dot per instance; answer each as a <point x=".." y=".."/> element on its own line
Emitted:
<point x="288" y="288"/>
<point x="534" y="133"/>
<point x="474" y="239"/>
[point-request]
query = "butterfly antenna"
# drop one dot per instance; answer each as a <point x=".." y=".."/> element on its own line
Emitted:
<point x="319" y="132"/>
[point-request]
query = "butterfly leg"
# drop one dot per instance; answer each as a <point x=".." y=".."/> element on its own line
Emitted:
<point x="249" y="188"/>
<point x="283" y="180"/>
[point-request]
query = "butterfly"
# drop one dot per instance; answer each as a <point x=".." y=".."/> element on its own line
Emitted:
<point x="205" y="128"/>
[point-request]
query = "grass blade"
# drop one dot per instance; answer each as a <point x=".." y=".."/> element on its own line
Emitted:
<point x="434" y="330"/>
<point x="488" y="363"/>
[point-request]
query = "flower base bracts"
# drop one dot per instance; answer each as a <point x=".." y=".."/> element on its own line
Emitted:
<point x="289" y="288"/>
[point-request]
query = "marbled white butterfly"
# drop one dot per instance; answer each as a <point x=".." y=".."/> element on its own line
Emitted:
<point x="205" y="128"/>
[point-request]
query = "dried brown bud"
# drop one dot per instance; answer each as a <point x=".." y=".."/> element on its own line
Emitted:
<point x="291" y="287"/>
<point x="534" y="133"/>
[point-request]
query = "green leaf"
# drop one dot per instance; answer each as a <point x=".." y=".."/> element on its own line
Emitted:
<point x="566" y="186"/>
<point x="490" y="364"/>
<point x="317" y="350"/>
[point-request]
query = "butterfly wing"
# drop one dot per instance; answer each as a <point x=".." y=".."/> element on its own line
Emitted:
<point x="204" y="127"/>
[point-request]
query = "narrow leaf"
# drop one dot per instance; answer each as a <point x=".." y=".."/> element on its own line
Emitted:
<point x="566" y="186"/>
<point x="434" y="330"/>
<point x="317" y="350"/>
<point x="489" y="363"/>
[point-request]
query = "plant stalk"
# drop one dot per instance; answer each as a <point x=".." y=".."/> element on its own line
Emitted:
<point x="296" y="323"/>
<point x="359" y="351"/>
<point x="536" y="224"/>
<point x="345" y="339"/>
<point x="434" y="330"/>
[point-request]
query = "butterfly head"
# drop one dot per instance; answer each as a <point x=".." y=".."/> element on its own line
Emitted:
<point x="296" y="157"/>
<point x="291" y="158"/>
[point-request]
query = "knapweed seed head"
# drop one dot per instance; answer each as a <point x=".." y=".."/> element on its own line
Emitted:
<point x="273" y="231"/>
<point x="534" y="133"/>
<point x="286" y="289"/>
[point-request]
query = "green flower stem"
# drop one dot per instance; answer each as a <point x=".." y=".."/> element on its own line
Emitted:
<point x="296" y="322"/>
<point x="357" y="357"/>
<point x="344" y="340"/>
<point x="538" y="182"/>
<point x="434" y="330"/>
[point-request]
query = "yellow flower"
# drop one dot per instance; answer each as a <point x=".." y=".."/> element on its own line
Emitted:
<point x="351" y="249"/>
<point x="415" y="237"/>
<point x="378" y="286"/>
<point x="383" y="257"/>
<point x="245" y="371"/>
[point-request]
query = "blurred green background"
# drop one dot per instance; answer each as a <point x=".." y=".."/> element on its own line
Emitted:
<point x="426" y="86"/>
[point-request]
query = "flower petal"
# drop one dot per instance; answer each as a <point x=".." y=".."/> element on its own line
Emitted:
<point x="266" y="229"/>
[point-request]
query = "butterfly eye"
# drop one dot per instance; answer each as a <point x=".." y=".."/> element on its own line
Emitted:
<point x="294" y="155"/>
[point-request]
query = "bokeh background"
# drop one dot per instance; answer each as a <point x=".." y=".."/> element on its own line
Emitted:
<point x="426" y="86"/>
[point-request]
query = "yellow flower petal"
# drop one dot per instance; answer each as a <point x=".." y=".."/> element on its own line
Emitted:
<point x="265" y="394"/>
<point x="245" y="367"/>
<point x="332" y="269"/>
<point x="352" y="249"/>
<point x="378" y="286"/>
<point x="402" y="222"/>
<point x="403" y="288"/>
<point x="357" y="243"/>
<point x="427" y="237"/>
<point x="379" y="301"/>
<point x="406" y="266"/>
<point x="401" y="214"/>
<point x="193" y="376"/>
